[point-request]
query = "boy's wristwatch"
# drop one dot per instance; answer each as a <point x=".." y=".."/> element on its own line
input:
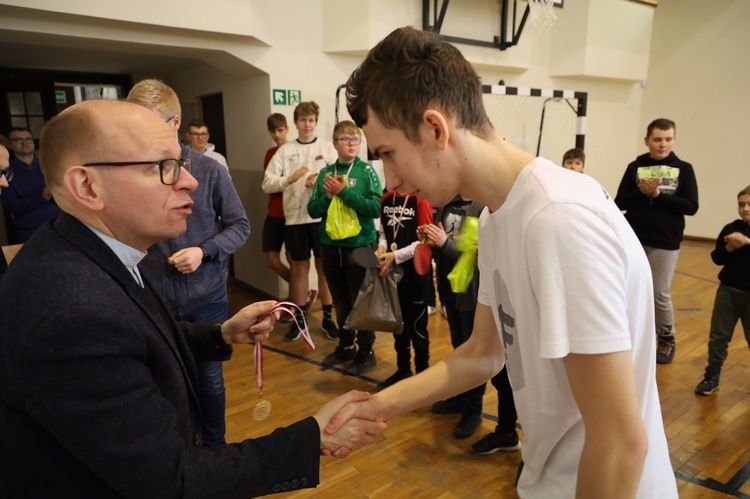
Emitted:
<point x="206" y="255"/>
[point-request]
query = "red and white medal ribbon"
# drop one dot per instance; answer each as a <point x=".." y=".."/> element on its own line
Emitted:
<point x="289" y="308"/>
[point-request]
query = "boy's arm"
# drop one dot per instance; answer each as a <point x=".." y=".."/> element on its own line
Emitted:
<point x="685" y="200"/>
<point x="628" y="193"/>
<point x="720" y="254"/>
<point x="273" y="178"/>
<point x="318" y="205"/>
<point x="616" y="442"/>
<point x="471" y="364"/>
<point x="407" y="253"/>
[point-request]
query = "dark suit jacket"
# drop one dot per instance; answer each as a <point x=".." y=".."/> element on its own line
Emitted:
<point x="98" y="388"/>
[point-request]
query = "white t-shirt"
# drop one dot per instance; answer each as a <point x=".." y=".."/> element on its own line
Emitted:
<point x="564" y="273"/>
<point x="290" y="156"/>
<point x="212" y="153"/>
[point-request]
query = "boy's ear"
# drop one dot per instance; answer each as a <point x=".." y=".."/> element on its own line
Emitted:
<point x="438" y="126"/>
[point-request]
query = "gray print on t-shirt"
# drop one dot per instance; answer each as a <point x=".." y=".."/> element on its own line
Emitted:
<point x="506" y="317"/>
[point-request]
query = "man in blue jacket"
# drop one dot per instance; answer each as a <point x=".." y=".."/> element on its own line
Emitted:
<point x="194" y="265"/>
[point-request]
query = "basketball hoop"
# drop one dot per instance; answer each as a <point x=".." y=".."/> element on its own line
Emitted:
<point x="541" y="14"/>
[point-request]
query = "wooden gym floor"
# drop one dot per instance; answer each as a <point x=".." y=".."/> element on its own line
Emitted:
<point x="709" y="437"/>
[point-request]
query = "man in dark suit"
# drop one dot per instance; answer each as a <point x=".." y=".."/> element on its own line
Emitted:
<point x="97" y="382"/>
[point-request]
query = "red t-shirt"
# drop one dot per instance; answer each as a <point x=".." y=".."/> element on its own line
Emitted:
<point x="275" y="200"/>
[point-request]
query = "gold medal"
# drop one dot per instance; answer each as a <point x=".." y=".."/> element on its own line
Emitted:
<point x="262" y="410"/>
<point x="394" y="246"/>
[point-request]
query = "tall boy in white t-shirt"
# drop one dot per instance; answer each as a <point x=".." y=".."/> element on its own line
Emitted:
<point x="293" y="171"/>
<point x="565" y="294"/>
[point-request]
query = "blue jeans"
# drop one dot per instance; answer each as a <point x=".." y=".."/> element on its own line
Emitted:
<point x="211" y="392"/>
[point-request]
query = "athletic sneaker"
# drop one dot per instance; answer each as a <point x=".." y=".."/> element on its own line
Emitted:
<point x="448" y="406"/>
<point x="665" y="348"/>
<point x="330" y="329"/>
<point x="361" y="364"/>
<point x="710" y="382"/>
<point x="493" y="442"/>
<point x="339" y="356"/>
<point x="467" y="425"/>
<point x="393" y="379"/>
<point x="294" y="333"/>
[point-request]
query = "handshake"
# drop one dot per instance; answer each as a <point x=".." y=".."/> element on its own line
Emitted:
<point x="349" y="423"/>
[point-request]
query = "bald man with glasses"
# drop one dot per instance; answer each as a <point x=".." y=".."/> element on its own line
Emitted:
<point x="98" y="383"/>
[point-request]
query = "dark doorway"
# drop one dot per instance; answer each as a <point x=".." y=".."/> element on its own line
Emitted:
<point x="213" y="115"/>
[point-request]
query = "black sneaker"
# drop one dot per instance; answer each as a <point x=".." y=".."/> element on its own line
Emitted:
<point x="393" y="379"/>
<point x="339" y="356"/>
<point x="293" y="334"/>
<point x="665" y="348"/>
<point x="467" y="425"/>
<point x="449" y="406"/>
<point x="710" y="382"/>
<point x="493" y="442"/>
<point x="330" y="329"/>
<point x="361" y="364"/>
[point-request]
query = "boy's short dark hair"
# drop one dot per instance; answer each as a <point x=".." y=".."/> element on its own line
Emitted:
<point x="346" y="127"/>
<point x="409" y="72"/>
<point x="661" y="124"/>
<point x="575" y="153"/>
<point x="276" y="120"/>
<point x="306" y="109"/>
<point x="197" y="124"/>
<point x="744" y="192"/>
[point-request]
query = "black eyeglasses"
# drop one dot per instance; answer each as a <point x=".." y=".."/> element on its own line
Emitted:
<point x="350" y="140"/>
<point x="169" y="169"/>
<point x="8" y="174"/>
<point x="21" y="140"/>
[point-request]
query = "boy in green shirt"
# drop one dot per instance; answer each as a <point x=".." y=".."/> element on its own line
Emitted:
<point x="357" y="184"/>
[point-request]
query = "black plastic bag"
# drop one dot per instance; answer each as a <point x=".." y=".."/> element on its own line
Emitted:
<point x="376" y="307"/>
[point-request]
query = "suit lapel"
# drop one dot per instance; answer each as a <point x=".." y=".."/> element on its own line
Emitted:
<point x="77" y="234"/>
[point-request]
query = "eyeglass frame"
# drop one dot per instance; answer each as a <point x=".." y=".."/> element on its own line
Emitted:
<point x="349" y="140"/>
<point x="199" y="134"/>
<point x="28" y="140"/>
<point x="181" y="163"/>
<point x="8" y="173"/>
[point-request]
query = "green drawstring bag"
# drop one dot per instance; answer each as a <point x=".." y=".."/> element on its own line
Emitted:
<point x="342" y="221"/>
<point x="466" y="242"/>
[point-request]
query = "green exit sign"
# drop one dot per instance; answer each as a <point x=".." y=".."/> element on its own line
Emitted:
<point x="283" y="97"/>
<point x="60" y="97"/>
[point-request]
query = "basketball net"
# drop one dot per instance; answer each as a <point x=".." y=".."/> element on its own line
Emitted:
<point x="541" y="13"/>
